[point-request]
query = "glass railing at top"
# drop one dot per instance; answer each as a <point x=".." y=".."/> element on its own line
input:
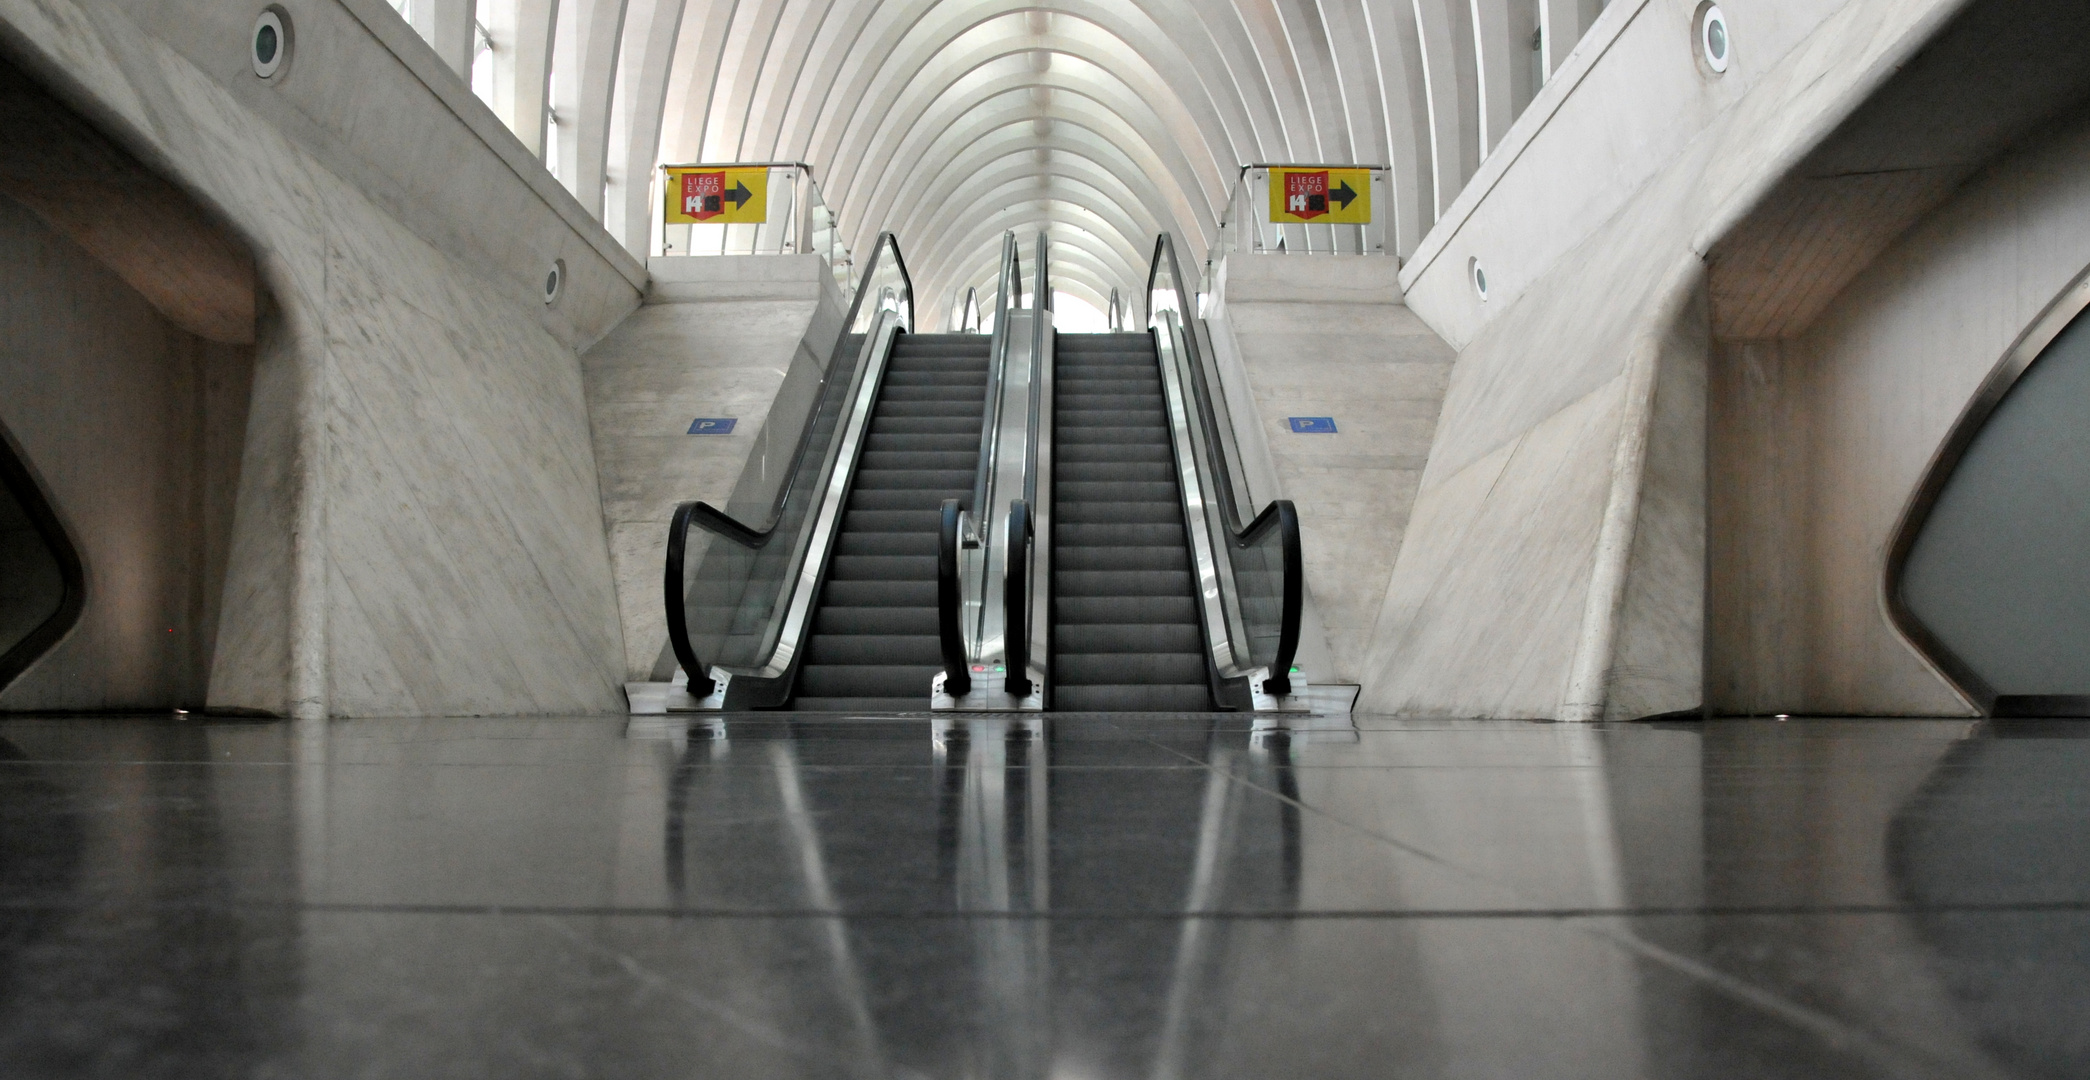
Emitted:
<point x="1308" y="210"/>
<point x="738" y="591"/>
<point x="748" y="208"/>
<point x="1250" y="568"/>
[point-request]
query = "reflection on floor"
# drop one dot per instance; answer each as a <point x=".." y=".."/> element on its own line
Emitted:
<point x="1170" y="896"/>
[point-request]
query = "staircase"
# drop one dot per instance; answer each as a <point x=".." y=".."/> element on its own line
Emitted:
<point x="1125" y="632"/>
<point x="874" y="647"/>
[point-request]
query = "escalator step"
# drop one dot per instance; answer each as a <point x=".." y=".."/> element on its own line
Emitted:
<point x="1066" y="559"/>
<point x="1151" y="513"/>
<point x="1069" y="534"/>
<point x="1077" y="639"/>
<point x="874" y="705"/>
<point x="888" y="543"/>
<point x="1126" y="584"/>
<point x="1132" y="699"/>
<point x="953" y="480"/>
<point x="1098" y="472"/>
<point x="1117" y="491"/>
<point x="920" y="499"/>
<point x="868" y="680"/>
<point x="1123" y="610"/>
<point x="847" y="567"/>
<point x="846" y="650"/>
<point x="1119" y="669"/>
<point x="844" y="620"/>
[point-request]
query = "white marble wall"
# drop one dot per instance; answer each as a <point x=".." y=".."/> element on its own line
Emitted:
<point x="418" y="528"/>
<point x="1628" y="99"/>
<point x="1547" y="444"/>
<point x="134" y="428"/>
<point x="1328" y="336"/>
<point x="716" y="337"/>
<point x="1819" y="441"/>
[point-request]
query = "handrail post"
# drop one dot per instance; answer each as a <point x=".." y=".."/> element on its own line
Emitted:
<point x="802" y="210"/>
<point x="950" y="600"/>
<point x="675" y="582"/>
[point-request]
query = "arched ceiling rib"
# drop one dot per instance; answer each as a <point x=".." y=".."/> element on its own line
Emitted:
<point x="1102" y="121"/>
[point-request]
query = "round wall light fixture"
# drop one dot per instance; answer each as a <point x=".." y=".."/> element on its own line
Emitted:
<point x="554" y="280"/>
<point x="1479" y="276"/>
<point x="269" y="45"/>
<point x="1715" y="45"/>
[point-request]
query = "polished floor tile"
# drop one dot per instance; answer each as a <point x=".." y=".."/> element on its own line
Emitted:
<point x="1178" y="896"/>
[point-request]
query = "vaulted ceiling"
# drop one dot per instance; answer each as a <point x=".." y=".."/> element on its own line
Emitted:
<point x="949" y="121"/>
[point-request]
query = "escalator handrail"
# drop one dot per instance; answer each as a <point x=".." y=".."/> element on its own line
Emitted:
<point x="714" y="520"/>
<point x="1015" y="599"/>
<point x="677" y="603"/>
<point x="1041" y="326"/>
<point x="1280" y="514"/>
<point x="950" y="603"/>
<point x="1236" y="522"/>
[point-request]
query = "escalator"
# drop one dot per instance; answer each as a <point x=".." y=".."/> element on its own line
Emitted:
<point x="873" y="645"/>
<point x="1125" y="633"/>
<point x="1009" y="523"/>
<point x="1153" y="592"/>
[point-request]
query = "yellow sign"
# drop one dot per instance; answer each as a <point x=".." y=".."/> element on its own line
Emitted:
<point x="718" y="196"/>
<point x="1322" y="196"/>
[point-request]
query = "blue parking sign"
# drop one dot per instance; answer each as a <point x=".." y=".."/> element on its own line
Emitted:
<point x="712" y="425"/>
<point x="1312" y="425"/>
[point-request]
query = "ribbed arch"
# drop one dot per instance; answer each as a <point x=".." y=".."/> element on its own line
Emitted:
<point x="1068" y="176"/>
<point x="1117" y="118"/>
<point x="1081" y="128"/>
<point x="1105" y="57"/>
<point x="956" y="120"/>
<point x="964" y="244"/>
<point x="1072" y="245"/>
<point x="971" y="252"/>
<point x="1098" y="76"/>
<point x="1108" y="224"/>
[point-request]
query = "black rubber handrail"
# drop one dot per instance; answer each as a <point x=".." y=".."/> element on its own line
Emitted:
<point x="677" y="601"/>
<point x="1015" y="599"/>
<point x="718" y="522"/>
<point x="1280" y="514"/>
<point x="1041" y="326"/>
<point x="950" y="603"/>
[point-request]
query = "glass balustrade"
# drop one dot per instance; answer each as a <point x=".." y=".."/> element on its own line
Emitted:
<point x="1249" y="567"/>
<point x="736" y="577"/>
